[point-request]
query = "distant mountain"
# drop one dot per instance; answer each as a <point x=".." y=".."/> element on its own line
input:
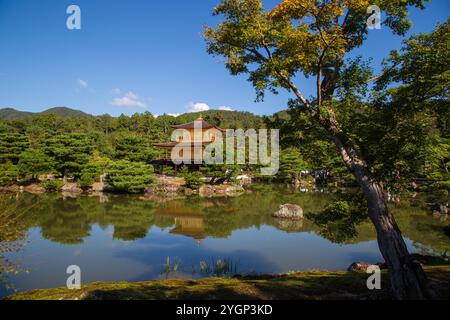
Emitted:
<point x="65" y="112"/>
<point x="227" y="119"/>
<point x="13" y="114"/>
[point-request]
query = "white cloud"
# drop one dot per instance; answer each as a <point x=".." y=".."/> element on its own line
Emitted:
<point x="128" y="100"/>
<point x="201" y="107"/>
<point x="168" y="114"/>
<point x="82" y="84"/>
<point x="225" y="108"/>
<point x="197" y="107"/>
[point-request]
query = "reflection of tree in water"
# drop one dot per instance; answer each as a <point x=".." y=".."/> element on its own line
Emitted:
<point x="426" y="232"/>
<point x="222" y="216"/>
<point x="339" y="220"/>
<point x="63" y="221"/>
<point x="12" y="235"/>
<point x="70" y="221"/>
<point x="345" y="221"/>
<point x="132" y="219"/>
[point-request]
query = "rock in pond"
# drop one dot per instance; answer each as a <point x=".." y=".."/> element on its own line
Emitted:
<point x="363" y="266"/>
<point x="289" y="211"/>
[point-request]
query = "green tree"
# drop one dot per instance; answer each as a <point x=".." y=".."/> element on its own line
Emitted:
<point x="132" y="147"/>
<point x="70" y="152"/>
<point x="193" y="180"/>
<point x="221" y="173"/>
<point x="11" y="146"/>
<point x="298" y="131"/>
<point x="91" y="172"/>
<point x="130" y="177"/>
<point x="8" y="174"/>
<point x="34" y="162"/>
<point x="313" y="38"/>
<point x="417" y="142"/>
<point x="291" y="165"/>
<point x="52" y="185"/>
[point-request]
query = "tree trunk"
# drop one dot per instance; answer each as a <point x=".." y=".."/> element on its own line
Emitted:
<point x="408" y="280"/>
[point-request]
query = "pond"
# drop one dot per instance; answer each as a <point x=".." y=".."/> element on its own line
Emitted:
<point x="126" y="238"/>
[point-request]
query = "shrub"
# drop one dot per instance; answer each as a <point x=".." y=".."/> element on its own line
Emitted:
<point x="86" y="180"/>
<point x="34" y="162"/>
<point x="132" y="147"/>
<point x="221" y="173"/>
<point x="8" y="174"/>
<point x="129" y="177"/>
<point x="89" y="175"/>
<point x="52" y="185"/>
<point x="193" y="180"/>
<point x="92" y="171"/>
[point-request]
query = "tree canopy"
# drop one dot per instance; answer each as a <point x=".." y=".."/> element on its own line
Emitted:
<point x="310" y="40"/>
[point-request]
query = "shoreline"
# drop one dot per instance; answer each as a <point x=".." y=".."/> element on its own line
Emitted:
<point x="309" y="285"/>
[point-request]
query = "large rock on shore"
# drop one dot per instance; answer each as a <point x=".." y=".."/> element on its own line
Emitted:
<point x="222" y="190"/>
<point x="244" y="180"/>
<point x="364" y="266"/>
<point x="165" y="184"/>
<point x="47" y="177"/>
<point x="71" y="187"/>
<point x="34" y="189"/>
<point x="289" y="211"/>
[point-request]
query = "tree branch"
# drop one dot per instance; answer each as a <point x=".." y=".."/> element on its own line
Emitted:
<point x="319" y="78"/>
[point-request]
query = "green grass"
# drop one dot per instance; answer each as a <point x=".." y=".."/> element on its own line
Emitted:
<point x="313" y="285"/>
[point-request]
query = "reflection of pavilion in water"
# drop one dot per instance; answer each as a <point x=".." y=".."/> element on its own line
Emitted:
<point x="190" y="226"/>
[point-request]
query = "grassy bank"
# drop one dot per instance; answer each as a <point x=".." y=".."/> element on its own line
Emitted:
<point x="313" y="285"/>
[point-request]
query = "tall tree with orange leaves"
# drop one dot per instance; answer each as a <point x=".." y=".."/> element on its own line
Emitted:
<point x="313" y="38"/>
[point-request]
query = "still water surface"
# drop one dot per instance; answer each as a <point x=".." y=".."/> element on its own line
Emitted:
<point x="125" y="238"/>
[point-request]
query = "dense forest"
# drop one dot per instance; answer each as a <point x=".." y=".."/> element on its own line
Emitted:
<point x="68" y="142"/>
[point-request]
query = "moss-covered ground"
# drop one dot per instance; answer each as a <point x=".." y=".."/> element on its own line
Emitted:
<point x="313" y="285"/>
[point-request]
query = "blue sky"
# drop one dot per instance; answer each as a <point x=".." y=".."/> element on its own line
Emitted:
<point x="136" y="55"/>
